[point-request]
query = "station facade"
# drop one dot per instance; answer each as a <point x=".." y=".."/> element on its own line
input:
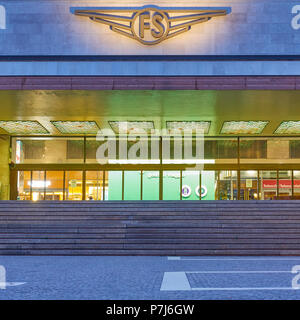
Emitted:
<point x="160" y="100"/>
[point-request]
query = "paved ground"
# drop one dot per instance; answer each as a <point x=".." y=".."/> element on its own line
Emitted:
<point x="149" y="278"/>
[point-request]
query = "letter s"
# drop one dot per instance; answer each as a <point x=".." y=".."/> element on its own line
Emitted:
<point x="157" y="21"/>
<point x="296" y="19"/>
<point x="2" y="17"/>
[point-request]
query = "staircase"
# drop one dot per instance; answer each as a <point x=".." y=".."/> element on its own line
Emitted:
<point x="150" y="228"/>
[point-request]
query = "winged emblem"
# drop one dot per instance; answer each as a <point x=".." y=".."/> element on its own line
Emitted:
<point x="150" y="24"/>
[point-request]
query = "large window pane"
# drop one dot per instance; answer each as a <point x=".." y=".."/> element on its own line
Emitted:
<point x="209" y="185"/>
<point x="285" y="185"/>
<point x="92" y="146"/>
<point x="296" y="184"/>
<point x="171" y="185"/>
<point x="94" y="185"/>
<point x="227" y="185"/>
<point x="73" y="185"/>
<point x="150" y="185"/>
<point x="268" y="185"/>
<point x="138" y="150"/>
<point x="132" y="185"/>
<point x="221" y="150"/>
<point x="197" y="150"/>
<point x="38" y="185"/>
<point x="54" y="185"/>
<point x="269" y="150"/>
<point x="24" y="185"/>
<point x="113" y="188"/>
<point x="48" y="150"/>
<point x="249" y="185"/>
<point x="190" y="185"/>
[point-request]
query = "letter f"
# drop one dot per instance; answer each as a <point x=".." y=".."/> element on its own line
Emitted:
<point x="144" y="25"/>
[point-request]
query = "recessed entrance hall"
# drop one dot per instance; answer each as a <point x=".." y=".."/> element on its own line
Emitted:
<point x="145" y="185"/>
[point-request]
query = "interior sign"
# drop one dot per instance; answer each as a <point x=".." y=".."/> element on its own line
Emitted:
<point x="150" y="24"/>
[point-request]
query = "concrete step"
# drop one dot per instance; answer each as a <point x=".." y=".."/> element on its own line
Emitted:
<point x="149" y="204"/>
<point x="147" y="241"/>
<point x="161" y="252"/>
<point x="139" y="246"/>
<point x="144" y="212"/>
<point x="150" y="228"/>
<point x="160" y="219"/>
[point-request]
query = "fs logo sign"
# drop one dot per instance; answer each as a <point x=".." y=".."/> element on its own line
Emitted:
<point x="150" y="24"/>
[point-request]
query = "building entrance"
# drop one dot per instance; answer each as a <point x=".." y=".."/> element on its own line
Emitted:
<point x="235" y="168"/>
<point x="185" y="185"/>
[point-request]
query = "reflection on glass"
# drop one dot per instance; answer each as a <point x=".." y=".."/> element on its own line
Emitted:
<point x="109" y="185"/>
<point x="48" y="150"/>
<point x="296" y="174"/>
<point x="269" y="150"/>
<point x="132" y="185"/>
<point x="227" y="185"/>
<point x="285" y="185"/>
<point x="54" y="185"/>
<point x="268" y="185"/>
<point x="94" y="185"/>
<point x="150" y="185"/>
<point x="24" y="183"/>
<point x="73" y="185"/>
<point x="249" y="185"/>
<point x="190" y="186"/>
<point x="171" y="185"/>
<point x="221" y="150"/>
<point x="38" y="185"/>
<point x="113" y="185"/>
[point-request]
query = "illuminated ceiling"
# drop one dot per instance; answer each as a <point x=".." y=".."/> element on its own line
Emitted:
<point x="132" y="127"/>
<point x="288" y="127"/>
<point x="181" y="126"/>
<point x="243" y="127"/>
<point x="76" y="127"/>
<point x="155" y="106"/>
<point x="23" y="127"/>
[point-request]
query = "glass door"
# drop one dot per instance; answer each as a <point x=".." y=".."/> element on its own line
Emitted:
<point x="94" y="185"/>
<point x="227" y="185"/>
<point x="132" y="185"/>
<point x="296" y="175"/>
<point x="37" y="185"/>
<point x="73" y="185"/>
<point x="171" y="186"/>
<point x="249" y="185"/>
<point x="191" y="186"/>
<point x="113" y="185"/>
<point x="150" y="187"/>
<point x="209" y="185"/>
<point x="24" y="185"/>
<point x="285" y="185"/>
<point x="268" y="180"/>
<point x="54" y="185"/>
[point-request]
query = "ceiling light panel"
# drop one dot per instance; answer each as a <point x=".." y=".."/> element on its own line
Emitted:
<point x="187" y="126"/>
<point x="76" y="127"/>
<point x="132" y="127"/>
<point x="243" y="127"/>
<point x="23" y="127"/>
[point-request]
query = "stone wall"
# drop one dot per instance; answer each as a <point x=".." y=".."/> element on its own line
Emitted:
<point x="47" y="27"/>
